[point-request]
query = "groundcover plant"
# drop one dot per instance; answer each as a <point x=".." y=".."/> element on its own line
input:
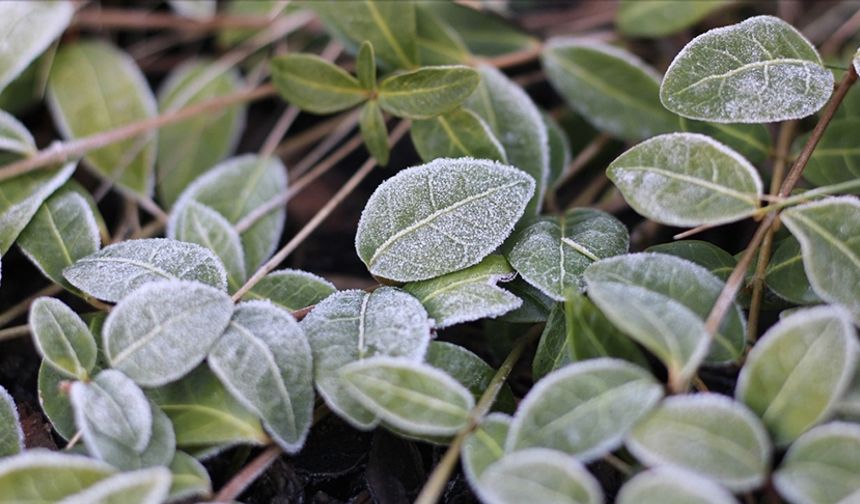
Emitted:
<point x="524" y="317"/>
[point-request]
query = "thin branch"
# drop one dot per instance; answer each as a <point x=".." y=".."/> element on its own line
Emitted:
<point x="513" y="59"/>
<point x="23" y="306"/>
<point x="14" y="332"/>
<point x="139" y="19"/>
<point x="585" y="156"/>
<point x="335" y="137"/>
<point x="243" y="479"/>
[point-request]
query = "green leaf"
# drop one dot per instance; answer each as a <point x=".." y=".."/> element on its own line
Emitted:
<point x="231" y="37"/>
<point x="365" y="66"/>
<point x="291" y="289"/>
<point x="669" y="485"/>
<point x="836" y="158"/>
<point x="798" y="370"/>
<point x="469" y="370"/>
<point x="189" y="478"/>
<point x="760" y="70"/>
<point x="658" y="18"/>
<point x="163" y="330"/>
<point x="23" y="477"/>
<point x="467" y="295"/>
<point x="553" y="350"/>
<point x="708" y="434"/>
<point x="438" y="43"/>
<point x="458" y="133"/>
<point x="516" y="121"/>
<point x="752" y="141"/>
<point x="416" y="398"/>
<point x="374" y="132"/>
<point x="552" y="253"/>
<point x="440" y="217"/>
<point x="613" y="89"/>
<point x="146" y="486"/>
<point x="487" y="35"/>
<point x="264" y="360"/>
<point x="27" y="29"/>
<point x="189" y="148"/>
<point x="353" y="325"/>
<point x="95" y="87"/>
<point x="584" y="409"/>
<point x="54" y="401"/>
<point x="14" y="136"/>
<point x="427" y="91"/>
<point x="822" y="465"/>
<point x="117" y="270"/>
<point x="316" y="85"/>
<point x="536" y="305"/>
<point x="539" y="475"/>
<point x="484" y="446"/>
<point x="716" y="260"/>
<point x="11" y="435"/>
<point x="159" y="451"/>
<point x="62" y="338"/>
<point x="559" y="148"/>
<point x="687" y="179"/>
<point x="829" y="236"/>
<point x="785" y="274"/>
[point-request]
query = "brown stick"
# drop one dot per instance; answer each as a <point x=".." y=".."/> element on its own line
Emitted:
<point x="139" y="19"/>
<point x="243" y="479"/>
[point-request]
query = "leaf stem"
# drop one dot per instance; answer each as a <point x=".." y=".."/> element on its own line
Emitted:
<point x="24" y="305"/>
<point x="243" y="479"/>
<point x="14" y="332"/>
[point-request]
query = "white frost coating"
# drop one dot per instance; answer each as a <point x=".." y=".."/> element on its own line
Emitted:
<point x="161" y="331"/>
<point x="62" y="338"/>
<point x="662" y="484"/>
<point x="477" y="455"/>
<point x="43" y="459"/>
<point x="584" y="409"/>
<point x="539" y="475"/>
<point x="760" y="70"/>
<point x="440" y="217"/>
<point x="292" y="289"/>
<point x="146" y="486"/>
<point x="709" y="434"/>
<point x="159" y="451"/>
<point x="264" y="360"/>
<point x="687" y="179"/>
<point x="14" y="137"/>
<point x="119" y="269"/>
<point x="197" y="223"/>
<point x="27" y="28"/>
<point x="11" y="425"/>
<point x="353" y="325"/>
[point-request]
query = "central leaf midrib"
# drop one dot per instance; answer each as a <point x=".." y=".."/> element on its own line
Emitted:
<point x="745" y="197"/>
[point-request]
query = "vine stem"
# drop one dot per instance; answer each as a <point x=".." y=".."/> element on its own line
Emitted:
<point x="248" y="474"/>
<point x="24" y="305"/>
<point x="14" y="332"/>
<point x="136" y="19"/>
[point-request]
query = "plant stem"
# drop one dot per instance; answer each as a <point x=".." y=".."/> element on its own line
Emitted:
<point x="240" y="482"/>
<point x="24" y="305"/>
<point x="585" y="156"/>
<point x="14" y="332"/>
<point x="137" y="19"/>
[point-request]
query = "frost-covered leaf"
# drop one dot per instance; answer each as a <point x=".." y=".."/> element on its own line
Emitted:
<point x="829" y="236"/>
<point x="539" y="475"/>
<point x="751" y="141"/>
<point x="798" y="370"/>
<point x="559" y="148"/>
<point x="458" y="133"/>
<point x="95" y="87"/>
<point x="613" y="89"/>
<point x="553" y="350"/>
<point x="585" y="409"/>
<point x="161" y="331"/>
<point x="440" y="217"/>
<point x="374" y="132"/>
<point x="759" y="70"/>
<point x="687" y="179"/>
<point x="315" y="85"/>
<point x="836" y="158"/>
<point x="468" y="294"/>
<point x="670" y="485"/>
<point x="822" y="466"/>
<point x="188" y="148"/>
<point x="11" y="435"/>
<point x="536" y="305"/>
<point x="62" y="338"/>
<point x="470" y="370"/>
<point x="658" y="18"/>
<point x="27" y="29"/>
<point x="427" y="91"/>
<point x="716" y="260"/>
<point x="414" y="397"/>
<point x="484" y="446"/>
<point x="200" y="10"/>
<point x="552" y="253"/>
<point x="14" y="136"/>
<point x="145" y="486"/>
<point x="365" y="65"/>
<point x="785" y="274"/>
<point x="291" y="289"/>
<point x="55" y="402"/>
<point x="352" y="325"/>
<point x="709" y="434"/>
<point x="483" y="34"/>
<point x="204" y="413"/>
<point x="438" y="43"/>
<point x="516" y="122"/>
<point x="23" y="477"/>
<point x="264" y="360"/>
<point x="235" y="188"/>
<point x="117" y="270"/>
<point x="188" y="478"/>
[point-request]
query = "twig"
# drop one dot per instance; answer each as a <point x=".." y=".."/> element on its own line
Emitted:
<point x="843" y="33"/>
<point x="585" y="156"/>
<point x="138" y="19"/>
<point x="240" y="482"/>
<point x="22" y="307"/>
<point x="326" y="145"/>
<point x="513" y="59"/>
<point x="14" y="332"/>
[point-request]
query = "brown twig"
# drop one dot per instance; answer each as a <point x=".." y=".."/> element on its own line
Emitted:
<point x="139" y="19"/>
<point x="14" y="332"/>
<point x="240" y="482"/>
<point x="585" y="156"/>
<point x="22" y="306"/>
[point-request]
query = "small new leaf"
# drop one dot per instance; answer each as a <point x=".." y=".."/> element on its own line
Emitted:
<point x="365" y="66"/>
<point x="427" y="91"/>
<point x="484" y="446"/>
<point x="374" y="132"/>
<point x="62" y="338"/>
<point x="315" y="85"/>
<point x="189" y="478"/>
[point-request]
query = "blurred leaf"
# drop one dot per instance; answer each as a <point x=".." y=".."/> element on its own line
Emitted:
<point x="189" y="478"/>
<point x="482" y="32"/>
<point x="716" y="260"/>
<point x="658" y="18"/>
<point x="536" y="305"/>
<point x="11" y="435"/>
<point x="836" y="158"/>
<point x="55" y="402"/>
<point x="470" y="370"/>
<point x="199" y="224"/>
<point x="316" y="85"/>
<point x="752" y="141"/>
<point x="438" y="43"/>
<point x="23" y="477"/>
<point x="484" y="446"/>
<point x="428" y="91"/>
<point x="291" y="289"/>
<point x="374" y="132"/>
<point x="62" y="338"/>
<point x="669" y="485"/>
<point x="144" y="486"/>
<point x="365" y="66"/>
<point x="785" y="274"/>
<point x="553" y="350"/>
<point x="199" y="10"/>
<point x="559" y="149"/>
<point x="14" y="136"/>
<point x="27" y="29"/>
<point x="458" y="133"/>
<point x="229" y="37"/>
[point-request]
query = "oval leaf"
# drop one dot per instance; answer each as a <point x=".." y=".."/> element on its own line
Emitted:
<point x="23" y="477"/>
<point x="62" y="338"/>
<point x="365" y="65"/>
<point x="484" y="446"/>
<point x="785" y="274"/>
<point x="374" y="132"/>
<point x="751" y="141"/>
<point x="470" y="370"/>
<point x="189" y="478"/>
<point x="14" y="136"/>
<point x="291" y="289"/>
<point x="146" y="486"/>
<point x="669" y="485"/>
<point x="458" y="133"/>
<point x="428" y="91"/>
<point x="716" y="260"/>
<point x="836" y="157"/>
<point x="658" y="18"/>
<point x="27" y="29"/>
<point x="316" y="85"/>
<point x="11" y="435"/>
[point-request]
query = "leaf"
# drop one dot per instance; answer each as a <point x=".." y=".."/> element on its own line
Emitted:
<point x="117" y="270"/>
<point x="14" y="136"/>
<point x="231" y="37"/>
<point x="11" y="435"/>
<point x="200" y="10"/>
<point x="235" y="188"/>
<point x="427" y="91"/>
<point x="708" y="434"/>
<point x="669" y="485"/>
<point x="416" y="398"/>
<point x="613" y="89"/>
<point x="365" y="66"/>
<point x="161" y="331"/>
<point x="536" y="305"/>
<point x="483" y="34"/>
<point x="54" y="401"/>
<point x="440" y="217"/>
<point x="559" y="148"/>
<point x="62" y="338"/>
<point x="291" y="289"/>
<point x="798" y="370"/>
<point x="23" y="477"/>
<point x="515" y="120"/>
<point x="484" y="446"/>
<point x="760" y="70"/>
<point x="716" y="260"/>
<point x="661" y="301"/>
<point x="315" y="85"/>
<point x="203" y="412"/>
<point x="752" y="141"/>
<point x="458" y="133"/>
<point x="27" y="29"/>
<point x="687" y="179"/>
<point x="438" y="43"/>
<point x="467" y="295"/>
<point x="469" y="370"/>
<point x="821" y="466"/>
<point x="264" y="360"/>
<point x="836" y="157"/>
<point x="353" y="325"/>
<point x="584" y="409"/>
<point x="96" y="87"/>
<point x="189" y="148"/>
<point x="374" y="132"/>
<point x="146" y="486"/>
<point x="658" y="18"/>
<point x="552" y="253"/>
<point x="189" y="478"/>
<point x="553" y="350"/>
<point x="539" y="475"/>
<point x="828" y="232"/>
<point x="785" y="274"/>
